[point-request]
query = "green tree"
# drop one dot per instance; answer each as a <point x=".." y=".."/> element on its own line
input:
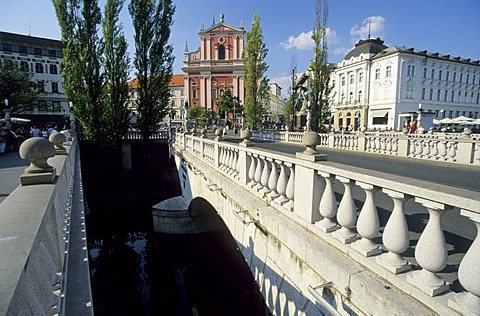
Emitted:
<point x="81" y="65"/>
<point x="116" y="66"/>
<point x="153" y="61"/>
<point x="199" y="114"/>
<point x="16" y="86"/>
<point x="228" y="104"/>
<point x="256" y="84"/>
<point x="320" y="69"/>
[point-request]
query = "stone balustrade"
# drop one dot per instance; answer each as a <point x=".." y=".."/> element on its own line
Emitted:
<point x="441" y="147"/>
<point x="43" y="253"/>
<point x="341" y="205"/>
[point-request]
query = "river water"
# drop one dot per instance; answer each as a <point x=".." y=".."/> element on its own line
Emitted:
<point x="140" y="272"/>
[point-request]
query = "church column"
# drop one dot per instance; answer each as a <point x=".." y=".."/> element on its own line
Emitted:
<point x="227" y="52"/>
<point x="235" y="86"/>
<point x="202" y="91"/>
<point x="202" y="48"/>
<point x="208" y="102"/>
<point x="209" y="54"/>
<point x="235" y="47"/>
<point x="186" y="87"/>
<point x="241" y="90"/>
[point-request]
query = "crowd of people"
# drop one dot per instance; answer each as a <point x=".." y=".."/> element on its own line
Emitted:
<point x="10" y="139"/>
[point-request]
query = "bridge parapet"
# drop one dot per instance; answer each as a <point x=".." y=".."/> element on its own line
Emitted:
<point x="441" y="147"/>
<point x="341" y="206"/>
<point x="43" y="253"/>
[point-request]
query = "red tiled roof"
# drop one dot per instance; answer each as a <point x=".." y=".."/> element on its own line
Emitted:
<point x="176" y="81"/>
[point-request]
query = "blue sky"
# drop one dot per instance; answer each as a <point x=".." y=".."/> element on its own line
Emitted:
<point x="447" y="27"/>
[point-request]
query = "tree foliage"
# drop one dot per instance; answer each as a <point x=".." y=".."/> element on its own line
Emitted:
<point x="117" y="67"/>
<point x="256" y="84"/>
<point x="153" y="61"/>
<point x="199" y="113"/>
<point x="228" y="104"/>
<point x="320" y="69"/>
<point x="16" y="86"/>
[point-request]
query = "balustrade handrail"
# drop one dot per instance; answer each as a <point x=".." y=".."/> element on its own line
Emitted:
<point x="280" y="178"/>
<point x="39" y="248"/>
<point x="438" y="147"/>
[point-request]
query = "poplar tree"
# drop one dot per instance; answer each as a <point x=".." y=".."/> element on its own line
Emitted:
<point x="256" y="84"/>
<point x="153" y="61"/>
<point x="116" y="67"/>
<point x="320" y="69"/>
<point x="81" y="65"/>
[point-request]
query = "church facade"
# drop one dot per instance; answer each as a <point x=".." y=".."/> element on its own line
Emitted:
<point x="215" y="67"/>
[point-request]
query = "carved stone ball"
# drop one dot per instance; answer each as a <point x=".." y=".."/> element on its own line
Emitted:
<point x="66" y="133"/>
<point x="57" y="139"/>
<point x="311" y="140"/>
<point x="37" y="150"/>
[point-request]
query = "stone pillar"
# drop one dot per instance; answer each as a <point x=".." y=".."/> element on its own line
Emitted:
<point x="308" y="188"/>
<point x="347" y="214"/>
<point x="37" y="150"/>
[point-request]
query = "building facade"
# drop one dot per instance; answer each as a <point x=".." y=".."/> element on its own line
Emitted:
<point x="380" y="87"/>
<point x="42" y="57"/>
<point x="215" y="67"/>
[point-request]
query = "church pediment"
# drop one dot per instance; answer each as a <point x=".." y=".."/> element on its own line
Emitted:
<point x="222" y="28"/>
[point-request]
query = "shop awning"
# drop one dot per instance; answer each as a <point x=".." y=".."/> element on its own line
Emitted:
<point x="379" y="113"/>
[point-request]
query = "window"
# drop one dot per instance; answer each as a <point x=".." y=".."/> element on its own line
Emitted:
<point x="468" y="78"/>
<point x="55" y="87"/>
<point x="37" y="51"/>
<point x="52" y="53"/>
<point x="24" y="66"/>
<point x="452" y="97"/>
<point x="454" y="77"/>
<point x="445" y="96"/>
<point x="447" y="76"/>
<point x="39" y="68"/>
<point x="377" y="73"/>
<point x="22" y="49"/>
<point x="56" y="106"/>
<point x="410" y="71"/>
<point x="423" y="93"/>
<point x="459" y="97"/>
<point x="461" y="77"/>
<point x="221" y="52"/>
<point x="360" y="96"/>
<point x="360" y="77"/>
<point x="350" y="97"/>
<point x="53" y="69"/>
<point x="214" y="93"/>
<point x="439" y="75"/>
<point x="388" y="72"/>
<point x="410" y="90"/>
<point x="7" y="47"/>
<point x="424" y="73"/>
<point x="351" y="79"/>
<point x="438" y="94"/>
<point x="41" y="86"/>
<point x="343" y="81"/>
<point x="194" y="91"/>
<point x="473" y="79"/>
<point x="182" y="93"/>
<point x="432" y="76"/>
<point x="431" y="94"/>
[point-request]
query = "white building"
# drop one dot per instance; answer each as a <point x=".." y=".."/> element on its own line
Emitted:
<point x="382" y="87"/>
<point x="276" y="104"/>
<point x="42" y="57"/>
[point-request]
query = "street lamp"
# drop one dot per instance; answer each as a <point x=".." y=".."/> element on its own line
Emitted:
<point x="186" y="115"/>
<point x="8" y="121"/>
<point x="420" y="111"/>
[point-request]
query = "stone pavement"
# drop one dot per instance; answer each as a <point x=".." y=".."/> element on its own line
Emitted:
<point x="11" y="168"/>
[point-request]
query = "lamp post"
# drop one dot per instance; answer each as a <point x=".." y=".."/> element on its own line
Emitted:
<point x="419" y="116"/>
<point x="292" y="122"/>
<point x="185" y="117"/>
<point x="8" y="120"/>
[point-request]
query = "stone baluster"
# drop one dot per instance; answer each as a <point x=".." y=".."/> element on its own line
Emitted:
<point x="347" y="214"/>
<point x="431" y="251"/>
<point x="221" y="158"/>
<point x="383" y="146"/>
<point x="426" y="149"/>
<point x="272" y="180"/>
<point x="418" y="147"/>
<point x="265" y="176"/>
<point x="258" y="174"/>
<point x="452" y="152"/>
<point x="442" y="149"/>
<point x="434" y="151"/>
<point x="251" y="171"/>
<point x="231" y="158"/>
<point x="368" y="224"/>
<point x="395" y="235"/>
<point x="468" y="303"/>
<point x="236" y="168"/>
<point x="282" y="185"/>
<point x="290" y="190"/>
<point x="328" y="205"/>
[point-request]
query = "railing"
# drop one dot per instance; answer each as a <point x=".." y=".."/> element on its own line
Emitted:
<point x="43" y="254"/>
<point x="441" y="147"/>
<point x="324" y="198"/>
<point x="135" y="135"/>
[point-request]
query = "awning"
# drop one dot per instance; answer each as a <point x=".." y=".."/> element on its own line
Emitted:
<point x="379" y="113"/>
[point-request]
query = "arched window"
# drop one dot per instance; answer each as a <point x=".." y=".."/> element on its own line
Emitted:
<point x="221" y="52"/>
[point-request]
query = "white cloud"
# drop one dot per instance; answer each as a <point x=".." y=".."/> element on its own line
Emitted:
<point x="373" y="25"/>
<point x="304" y="40"/>
<point x="340" y="51"/>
